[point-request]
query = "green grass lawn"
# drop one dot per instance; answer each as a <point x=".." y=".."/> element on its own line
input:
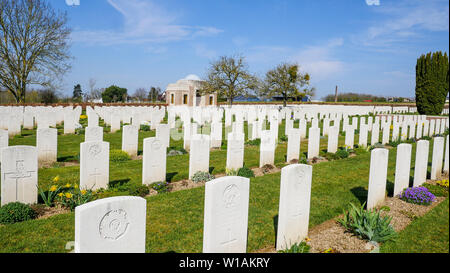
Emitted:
<point x="427" y="234"/>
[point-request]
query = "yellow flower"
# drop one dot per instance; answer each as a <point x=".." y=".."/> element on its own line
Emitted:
<point x="68" y="185"/>
<point x="69" y="195"/>
<point x="307" y="239"/>
<point x="75" y="186"/>
<point x="83" y="117"/>
<point x="83" y="192"/>
<point x="56" y="179"/>
<point x="53" y="188"/>
<point x="60" y="194"/>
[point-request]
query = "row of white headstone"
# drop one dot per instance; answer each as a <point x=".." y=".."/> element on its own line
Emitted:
<point x="379" y="166"/>
<point x="118" y="224"/>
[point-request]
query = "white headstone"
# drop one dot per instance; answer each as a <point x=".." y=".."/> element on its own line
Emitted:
<point x="293" y="147"/>
<point x="226" y="215"/>
<point x="94" y="165"/>
<point x="437" y="157"/>
<point x="93" y="134"/>
<point x="19" y="175"/>
<point x="377" y="177"/>
<point x="111" y="225"/>
<point x="235" y="151"/>
<point x="267" y="149"/>
<point x="313" y="142"/>
<point x="47" y="143"/>
<point x="199" y="154"/>
<point x="421" y="162"/>
<point x="403" y="168"/>
<point x="293" y="210"/>
<point x="154" y="161"/>
<point x="130" y="136"/>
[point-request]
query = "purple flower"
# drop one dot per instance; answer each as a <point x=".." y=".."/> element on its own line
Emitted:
<point x="417" y="195"/>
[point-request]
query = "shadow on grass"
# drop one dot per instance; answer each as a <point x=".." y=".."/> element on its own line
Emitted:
<point x="360" y="193"/>
<point x="390" y="188"/>
<point x="275" y="228"/>
<point x="116" y="183"/>
<point x="170" y="176"/>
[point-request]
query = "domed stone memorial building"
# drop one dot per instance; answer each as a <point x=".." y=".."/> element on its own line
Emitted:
<point x="186" y="92"/>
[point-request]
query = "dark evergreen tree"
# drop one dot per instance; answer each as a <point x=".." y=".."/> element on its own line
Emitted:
<point x="77" y="93"/>
<point x="432" y="82"/>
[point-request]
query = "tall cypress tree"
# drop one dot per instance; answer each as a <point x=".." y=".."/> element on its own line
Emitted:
<point x="432" y="83"/>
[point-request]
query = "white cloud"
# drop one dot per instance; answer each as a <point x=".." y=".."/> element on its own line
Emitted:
<point x="202" y="51"/>
<point x="318" y="60"/>
<point x="407" y="20"/>
<point x="144" y="22"/>
<point x="373" y="2"/>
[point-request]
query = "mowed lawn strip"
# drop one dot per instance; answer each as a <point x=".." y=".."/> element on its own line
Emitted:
<point x="427" y="234"/>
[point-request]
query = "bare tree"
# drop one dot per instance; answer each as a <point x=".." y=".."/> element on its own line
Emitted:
<point x="33" y="45"/>
<point x="229" y="77"/>
<point x="140" y="94"/>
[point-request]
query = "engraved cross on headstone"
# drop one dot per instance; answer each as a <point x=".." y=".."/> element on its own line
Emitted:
<point x="96" y="174"/>
<point x="20" y="173"/>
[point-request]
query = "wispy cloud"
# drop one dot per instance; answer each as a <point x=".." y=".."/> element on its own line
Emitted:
<point x="407" y="20"/>
<point x="317" y="60"/>
<point x="373" y="2"/>
<point x="143" y="22"/>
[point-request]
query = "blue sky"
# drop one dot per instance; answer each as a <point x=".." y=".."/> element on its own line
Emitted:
<point x="363" y="46"/>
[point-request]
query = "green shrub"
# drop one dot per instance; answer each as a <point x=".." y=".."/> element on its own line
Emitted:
<point x="145" y="128"/>
<point x="79" y="131"/>
<point x="254" y="142"/>
<point x="331" y="156"/>
<point x="342" y="153"/>
<point x="246" y="172"/>
<point x="160" y="187"/>
<point x="138" y="190"/>
<point x="16" y="212"/>
<point x="436" y="189"/>
<point x="202" y="177"/>
<point x="231" y="172"/>
<point x="368" y="224"/>
<point x="297" y="248"/>
<point x="284" y="138"/>
<point x="432" y="83"/>
<point x="118" y="156"/>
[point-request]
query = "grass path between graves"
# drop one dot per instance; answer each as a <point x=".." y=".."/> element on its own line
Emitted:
<point x="427" y="234"/>
<point x="175" y="220"/>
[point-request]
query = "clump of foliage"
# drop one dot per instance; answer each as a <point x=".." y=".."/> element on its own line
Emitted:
<point x="114" y="94"/>
<point x="231" y="172"/>
<point x="246" y="172"/>
<point x="417" y="195"/>
<point x="16" y="212"/>
<point x="432" y="83"/>
<point x="80" y="131"/>
<point x="254" y="142"/>
<point x="202" y="177"/>
<point x="361" y="150"/>
<point x="301" y="247"/>
<point x="72" y="196"/>
<point x="145" y="128"/>
<point x="395" y="143"/>
<point x="283" y="138"/>
<point x="138" y="190"/>
<point x="331" y="156"/>
<point x="160" y="187"/>
<point x="118" y="156"/>
<point x="368" y="224"/>
<point x="437" y="190"/>
<point x="443" y="183"/>
<point x="48" y="197"/>
<point x="342" y="153"/>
